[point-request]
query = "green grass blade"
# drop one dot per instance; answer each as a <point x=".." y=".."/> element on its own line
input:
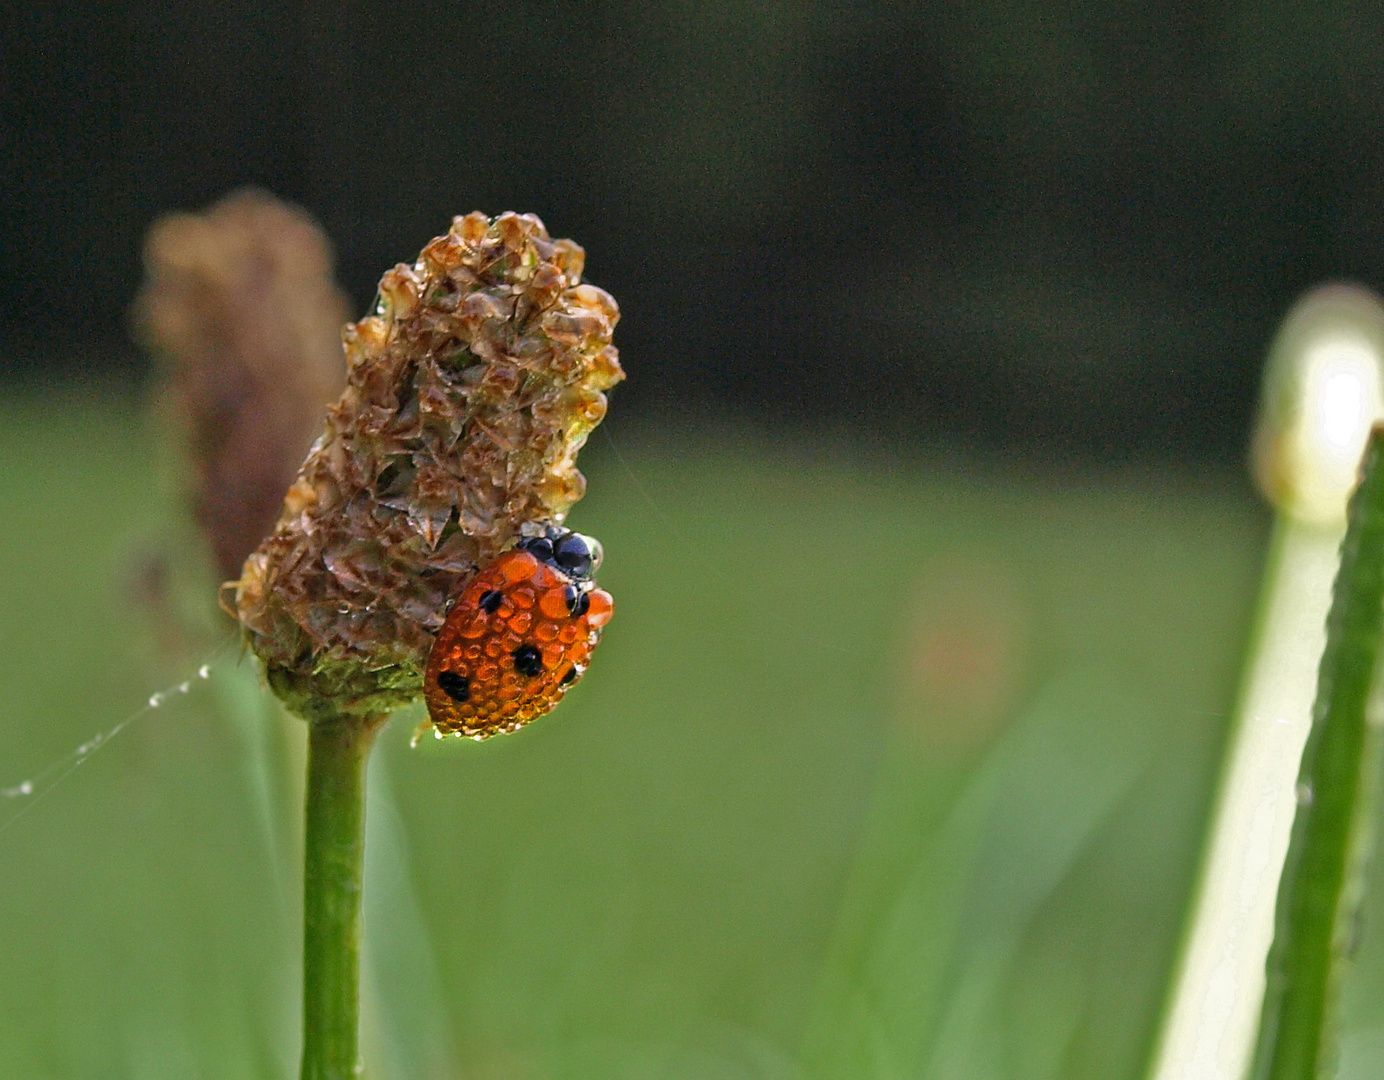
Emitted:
<point x="1322" y="876"/>
<point x="925" y="993"/>
<point x="405" y="1027"/>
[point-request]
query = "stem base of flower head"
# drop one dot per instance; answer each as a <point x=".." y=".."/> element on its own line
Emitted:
<point x="341" y="689"/>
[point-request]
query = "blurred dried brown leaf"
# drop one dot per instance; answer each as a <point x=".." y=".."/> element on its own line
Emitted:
<point x="239" y="304"/>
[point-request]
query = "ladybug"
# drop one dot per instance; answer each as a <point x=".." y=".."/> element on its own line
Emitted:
<point x="518" y="636"/>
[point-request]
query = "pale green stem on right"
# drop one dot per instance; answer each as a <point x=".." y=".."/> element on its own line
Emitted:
<point x="1318" y="899"/>
<point x="1323" y="388"/>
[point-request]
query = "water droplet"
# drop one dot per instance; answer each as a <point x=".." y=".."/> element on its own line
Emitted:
<point x="155" y="700"/>
<point x="478" y="738"/>
<point x="184" y="687"/>
<point x="204" y="672"/>
<point x="26" y="788"/>
<point x="1304" y="794"/>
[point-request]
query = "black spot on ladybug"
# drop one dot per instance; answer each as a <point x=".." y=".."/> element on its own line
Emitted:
<point x="528" y="661"/>
<point x="490" y="601"/>
<point x="572" y="554"/>
<point x="577" y="602"/>
<point x="570" y="676"/>
<point x="457" y="687"/>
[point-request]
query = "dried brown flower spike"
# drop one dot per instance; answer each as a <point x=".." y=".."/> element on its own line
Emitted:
<point x="468" y="395"/>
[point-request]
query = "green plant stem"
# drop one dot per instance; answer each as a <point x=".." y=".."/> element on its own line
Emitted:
<point x="338" y="749"/>
<point x="1323" y="874"/>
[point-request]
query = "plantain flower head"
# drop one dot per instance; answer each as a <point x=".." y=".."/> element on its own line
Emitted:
<point x="469" y="392"/>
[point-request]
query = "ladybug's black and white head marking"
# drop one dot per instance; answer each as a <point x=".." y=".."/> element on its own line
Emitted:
<point x="577" y="556"/>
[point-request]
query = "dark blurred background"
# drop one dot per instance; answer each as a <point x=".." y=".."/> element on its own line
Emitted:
<point x="1041" y="226"/>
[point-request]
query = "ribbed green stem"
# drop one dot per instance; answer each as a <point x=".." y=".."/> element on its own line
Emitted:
<point x="1323" y="875"/>
<point x="338" y="750"/>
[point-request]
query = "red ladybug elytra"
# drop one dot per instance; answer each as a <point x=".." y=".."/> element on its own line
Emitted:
<point x="518" y="636"/>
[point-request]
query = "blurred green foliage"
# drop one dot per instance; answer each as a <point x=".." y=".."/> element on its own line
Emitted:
<point x="885" y="768"/>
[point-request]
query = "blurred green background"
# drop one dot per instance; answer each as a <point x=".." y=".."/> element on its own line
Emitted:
<point x="887" y="767"/>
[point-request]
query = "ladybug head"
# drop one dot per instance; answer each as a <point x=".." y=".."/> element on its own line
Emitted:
<point x="577" y="556"/>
